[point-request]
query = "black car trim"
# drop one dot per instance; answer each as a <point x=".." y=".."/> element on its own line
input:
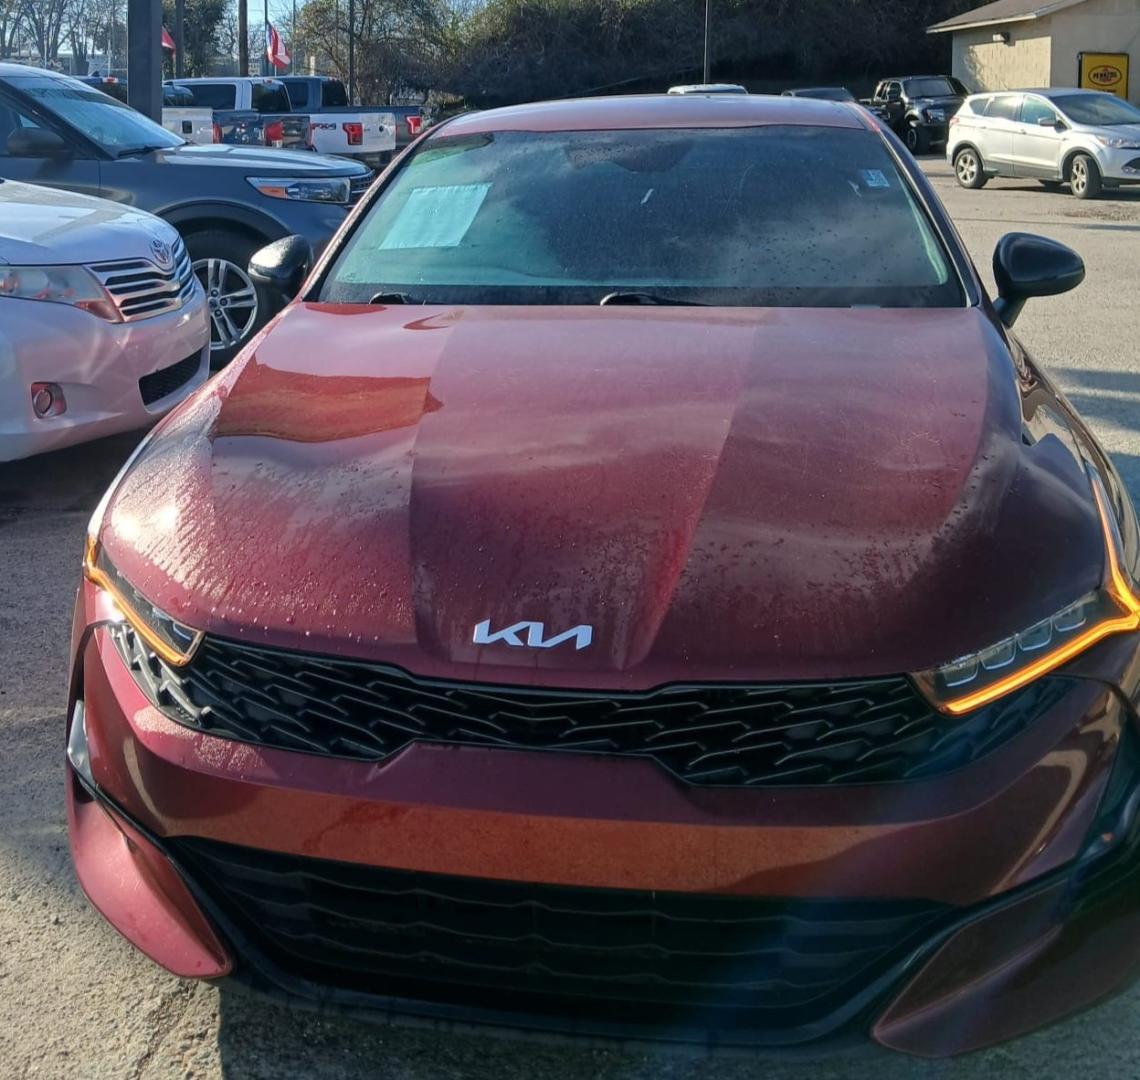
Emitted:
<point x="1092" y="882"/>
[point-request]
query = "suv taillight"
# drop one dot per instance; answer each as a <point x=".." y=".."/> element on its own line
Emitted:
<point x="952" y="121"/>
<point x="355" y="133"/>
<point x="275" y="133"/>
<point x="415" y="124"/>
<point x="217" y="132"/>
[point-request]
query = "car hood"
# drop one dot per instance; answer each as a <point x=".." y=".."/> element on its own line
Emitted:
<point x="1110" y="131"/>
<point x="41" y="226"/>
<point x="716" y="493"/>
<point x="260" y="160"/>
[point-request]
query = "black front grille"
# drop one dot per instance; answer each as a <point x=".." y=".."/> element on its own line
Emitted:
<point x="165" y="381"/>
<point x="731" y="735"/>
<point x="664" y="959"/>
<point x="358" y="187"/>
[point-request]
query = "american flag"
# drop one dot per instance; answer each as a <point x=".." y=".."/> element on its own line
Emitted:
<point x="275" y="48"/>
<point x="167" y="41"/>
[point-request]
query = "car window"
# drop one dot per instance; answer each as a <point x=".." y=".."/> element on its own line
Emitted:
<point x="270" y="98"/>
<point x="1003" y="107"/>
<point x="214" y="95"/>
<point x="333" y="94"/>
<point x="1034" y="110"/>
<point x="12" y="119"/>
<point x="298" y="91"/>
<point x="939" y="87"/>
<point x="1097" y="109"/>
<point x="782" y="216"/>
<point x="116" y="127"/>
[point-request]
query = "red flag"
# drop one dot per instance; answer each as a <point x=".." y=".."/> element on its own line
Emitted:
<point x="275" y="49"/>
<point x="168" y="41"/>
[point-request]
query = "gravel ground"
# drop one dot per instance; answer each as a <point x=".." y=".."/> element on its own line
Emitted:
<point x="76" y="1001"/>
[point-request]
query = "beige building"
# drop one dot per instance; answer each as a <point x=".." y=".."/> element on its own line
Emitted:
<point x="1014" y="44"/>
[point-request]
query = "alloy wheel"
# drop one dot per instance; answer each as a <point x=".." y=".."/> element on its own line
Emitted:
<point x="232" y="300"/>
<point x="967" y="167"/>
<point x="1080" y="177"/>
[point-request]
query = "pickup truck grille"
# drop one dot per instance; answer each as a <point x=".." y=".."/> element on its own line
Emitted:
<point x="141" y="289"/>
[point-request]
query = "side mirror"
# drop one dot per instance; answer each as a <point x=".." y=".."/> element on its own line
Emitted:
<point x="281" y="267"/>
<point x="37" y="143"/>
<point x="1026" y="265"/>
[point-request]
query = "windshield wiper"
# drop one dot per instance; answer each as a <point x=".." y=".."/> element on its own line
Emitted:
<point x="132" y="151"/>
<point x="648" y="299"/>
<point x="394" y="298"/>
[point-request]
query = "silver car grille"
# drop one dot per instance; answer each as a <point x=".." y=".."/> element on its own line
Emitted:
<point x="141" y="289"/>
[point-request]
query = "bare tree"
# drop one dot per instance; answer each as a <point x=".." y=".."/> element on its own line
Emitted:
<point x="45" y="21"/>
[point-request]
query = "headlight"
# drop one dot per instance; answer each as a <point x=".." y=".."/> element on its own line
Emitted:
<point x="979" y="678"/>
<point x="328" y="189"/>
<point x="172" y="641"/>
<point x="1119" y="142"/>
<point x="74" y="285"/>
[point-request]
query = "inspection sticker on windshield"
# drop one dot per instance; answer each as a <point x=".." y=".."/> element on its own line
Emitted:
<point x="874" y="178"/>
<point x="435" y="217"/>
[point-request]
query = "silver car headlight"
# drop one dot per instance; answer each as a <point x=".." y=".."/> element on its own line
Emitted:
<point x="72" y="285"/>
<point x="331" y="189"/>
<point x="1119" y="142"/>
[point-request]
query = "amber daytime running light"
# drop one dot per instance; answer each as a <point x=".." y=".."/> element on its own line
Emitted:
<point x="171" y="640"/>
<point x="979" y="678"/>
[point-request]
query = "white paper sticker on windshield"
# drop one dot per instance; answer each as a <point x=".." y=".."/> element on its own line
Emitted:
<point x="874" y="178"/>
<point x="436" y="217"/>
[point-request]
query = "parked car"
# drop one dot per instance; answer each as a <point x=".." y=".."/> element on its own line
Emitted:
<point x="364" y="132"/>
<point x="1088" y="139"/>
<point x="226" y="201"/>
<point x="835" y="93"/>
<point x="266" y="101"/>
<point x="708" y="88"/>
<point x="640" y="588"/>
<point x="103" y="326"/>
<point x="919" y="107"/>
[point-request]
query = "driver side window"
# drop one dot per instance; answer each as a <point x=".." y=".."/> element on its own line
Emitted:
<point x="12" y="120"/>
<point x="1033" y="111"/>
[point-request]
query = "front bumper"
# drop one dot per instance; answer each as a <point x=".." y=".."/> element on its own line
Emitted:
<point x="1120" y="166"/>
<point x="1013" y="932"/>
<point x="99" y="366"/>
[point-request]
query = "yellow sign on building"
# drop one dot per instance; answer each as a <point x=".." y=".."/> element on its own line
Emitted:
<point x="1104" y="71"/>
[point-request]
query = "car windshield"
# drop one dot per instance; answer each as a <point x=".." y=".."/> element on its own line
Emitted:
<point x="116" y="127"/>
<point x="767" y="216"/>
<point x="828" y="93"/>
<point x="1097" y="109"/>
<point x="917" y="88"/>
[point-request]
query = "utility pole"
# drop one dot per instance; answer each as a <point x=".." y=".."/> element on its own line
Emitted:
<point x="293" y="42"/>
<point x="243" y="39"/>
<point x="179" y="38"/>
<point x="144" y="57"/>
<point x="267" y="68"/>
<point x="706" y="75"/>
<point x="352" y="52"/>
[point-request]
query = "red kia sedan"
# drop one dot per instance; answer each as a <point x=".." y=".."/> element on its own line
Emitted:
<point x="637" y="587"/>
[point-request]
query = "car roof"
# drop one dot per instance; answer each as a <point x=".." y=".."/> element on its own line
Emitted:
<point x="1042" y="91"/>
<point x="8" y="70"/>
<point x="660" y="111"/>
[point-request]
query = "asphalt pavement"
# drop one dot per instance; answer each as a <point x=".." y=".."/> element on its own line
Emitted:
<point x="77" y="1002"/>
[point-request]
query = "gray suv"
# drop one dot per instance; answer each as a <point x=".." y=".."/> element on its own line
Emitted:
<point x="226" y="201"/>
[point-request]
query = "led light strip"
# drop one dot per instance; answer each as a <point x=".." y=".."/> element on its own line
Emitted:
<point x="1117" y="586"/>
<point x="99" y="577"/>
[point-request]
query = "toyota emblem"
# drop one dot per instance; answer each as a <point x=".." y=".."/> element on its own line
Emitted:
<point x="162" y="254"/>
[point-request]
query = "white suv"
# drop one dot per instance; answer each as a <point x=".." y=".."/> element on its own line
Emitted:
<point x="1087" y="139"/>
<point x="103" y="324"/>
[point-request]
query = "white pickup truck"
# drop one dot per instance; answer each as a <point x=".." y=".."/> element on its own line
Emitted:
<point x="360" y="131"/>
<point x="334" y="125"/>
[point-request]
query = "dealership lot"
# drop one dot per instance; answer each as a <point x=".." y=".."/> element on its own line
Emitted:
<point x="76" y="1001"/>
